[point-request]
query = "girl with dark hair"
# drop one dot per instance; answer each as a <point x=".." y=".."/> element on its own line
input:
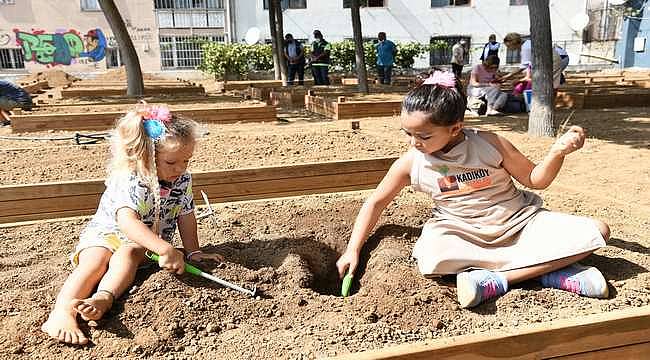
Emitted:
<point x="483" y="228"/>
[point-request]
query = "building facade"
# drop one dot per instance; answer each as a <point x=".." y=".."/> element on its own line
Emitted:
<point x="420" y="21"/>
<point x="167" y="34"/>
<point x="74" y="35"/>
<point x="634" y="49"/>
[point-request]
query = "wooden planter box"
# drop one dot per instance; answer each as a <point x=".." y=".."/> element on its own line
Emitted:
<point x="75" y="198"/>
<point x="106" y="120"/>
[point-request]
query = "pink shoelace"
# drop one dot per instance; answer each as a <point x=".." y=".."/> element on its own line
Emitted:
<point x="570" y="284"/>
<point x="489" y="289"/>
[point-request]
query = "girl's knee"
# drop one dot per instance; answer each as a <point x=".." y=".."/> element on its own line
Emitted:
<point x="129" y="254"/>
<point x="603" y="228"/>
<point x="94" y="259"/>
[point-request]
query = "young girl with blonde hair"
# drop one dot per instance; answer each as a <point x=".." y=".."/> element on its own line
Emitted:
<point x="148" y="195"/>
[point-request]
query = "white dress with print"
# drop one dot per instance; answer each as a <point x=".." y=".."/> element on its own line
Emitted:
<point x="481" y="220"/>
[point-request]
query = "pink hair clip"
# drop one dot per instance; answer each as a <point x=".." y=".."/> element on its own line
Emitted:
<point x="160" y="113"/>
<point x="155" y="120"/>
<point x="441" y="78"/>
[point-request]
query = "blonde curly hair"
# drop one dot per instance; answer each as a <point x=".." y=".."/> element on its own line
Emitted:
<point x="134" y="151"/>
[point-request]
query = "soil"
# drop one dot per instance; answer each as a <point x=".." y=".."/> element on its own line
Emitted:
<point x="199" y="102"/>
<point x="288" y="247"/>
<point x="54" y="77"/>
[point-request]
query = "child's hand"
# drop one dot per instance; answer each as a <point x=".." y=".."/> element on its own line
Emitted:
<point x="571" y="141"/>
<point x="172" y="261"/>
<point x="201" y="256"/>
<point x="347" y="262"/>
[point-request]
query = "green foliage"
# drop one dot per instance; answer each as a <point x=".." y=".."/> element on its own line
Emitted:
<point x="342" y="55"/>
<point x="261" y="56"/>
<point x="406" y="54"/>
<point x="369" y="54"/>
<point x="220" y="59"/>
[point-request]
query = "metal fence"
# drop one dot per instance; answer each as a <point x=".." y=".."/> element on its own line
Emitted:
<point x="183" y="52"/>
<point x="11" y="59"/>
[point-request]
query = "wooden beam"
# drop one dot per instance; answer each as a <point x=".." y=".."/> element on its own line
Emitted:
<point x="622" y="332"/>
<point x="105" y="120"/>
<point x="121" y="91"/>
<point x="75" y="198"/>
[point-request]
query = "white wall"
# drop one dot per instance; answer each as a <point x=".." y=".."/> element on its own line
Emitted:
<point x="413" y="20"/>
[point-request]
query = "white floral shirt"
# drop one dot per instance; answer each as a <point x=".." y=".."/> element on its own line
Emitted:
<point x="128" y="190"/>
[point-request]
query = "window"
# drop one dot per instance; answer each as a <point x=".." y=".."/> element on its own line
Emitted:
<point x="188" y="4"/>
<point x="441" y="3"/>
<point x="288" y="4"/>
<point x="11" y="59"/>
<point x="441" y="55"/>
<point x="183" y="51"/>
<point x="604" y="24"/>
<point x="113" y="58"/>
<point x="518" y="2"/>
<point x="90" y="5"/>
<point x="190" y="18"/>
<point x="364" y="3"/>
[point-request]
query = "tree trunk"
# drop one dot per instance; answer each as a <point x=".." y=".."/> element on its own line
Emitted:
<point x="362" y="75"/>
<point x="279" y="32"/>
<point x="277" y="40"/>
<point x="277" y="56"/>
<point x="540" y="121"/>
<point x="135" y="85"/>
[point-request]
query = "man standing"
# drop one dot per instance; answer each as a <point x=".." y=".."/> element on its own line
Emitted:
<point x="386" y="52"/>
<point x="320" y="59"/>
<point x="458" y="57"/>
<point x="564" y="61"/>
<point x="295" y="59"/>
<point x="490" y="48"/>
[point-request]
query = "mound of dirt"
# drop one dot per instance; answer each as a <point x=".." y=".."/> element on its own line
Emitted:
<point x="120" y="74"/>
<point x="54" y="78"/>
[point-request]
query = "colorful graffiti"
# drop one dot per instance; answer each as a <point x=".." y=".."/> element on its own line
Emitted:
<point x="61" y="47"/>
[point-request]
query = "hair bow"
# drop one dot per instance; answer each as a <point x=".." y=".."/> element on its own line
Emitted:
<point x="441" y="78"/>
<point x="154" y="119"/>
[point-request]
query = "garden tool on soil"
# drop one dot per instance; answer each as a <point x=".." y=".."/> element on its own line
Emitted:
<point x="209" y="212"/>
<point x="198" y="272"/>
<point x="347" y="284"/>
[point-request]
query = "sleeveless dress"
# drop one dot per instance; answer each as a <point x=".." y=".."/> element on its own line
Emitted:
<point x="483" y="221"/>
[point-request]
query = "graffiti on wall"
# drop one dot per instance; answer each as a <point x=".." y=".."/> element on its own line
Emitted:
<point x="61" y="47"/>
<point x="5" y="39"/>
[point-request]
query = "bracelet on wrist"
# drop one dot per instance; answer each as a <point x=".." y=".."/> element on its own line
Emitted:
<point x="188" y="257"/>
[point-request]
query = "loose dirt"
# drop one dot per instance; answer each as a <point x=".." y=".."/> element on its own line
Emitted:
<point x="288" y="247"/>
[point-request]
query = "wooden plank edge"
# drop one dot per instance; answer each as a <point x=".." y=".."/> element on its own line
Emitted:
<point x="537" y="341"/>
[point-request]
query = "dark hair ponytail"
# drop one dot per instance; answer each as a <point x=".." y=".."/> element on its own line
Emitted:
<point x="444" y="105"/>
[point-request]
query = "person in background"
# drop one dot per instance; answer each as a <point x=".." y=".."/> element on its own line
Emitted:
<point x="320" y="59"/>
<point x="386" y="51"/>
<point x="515" y="41"/>
<point x="458" y="54"/>
<point x="484" y="83"/>
<point x="491" y="48"/>
<point x="295" y="56"/>
<point x="12" y="96"/>
<point x="564" y="61"/>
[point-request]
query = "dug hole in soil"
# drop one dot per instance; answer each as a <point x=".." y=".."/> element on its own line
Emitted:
<point x="288" y="249"/>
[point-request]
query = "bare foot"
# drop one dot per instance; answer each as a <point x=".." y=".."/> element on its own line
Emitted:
<point x="94" y="307"/>
<point x="62" y="325"/>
